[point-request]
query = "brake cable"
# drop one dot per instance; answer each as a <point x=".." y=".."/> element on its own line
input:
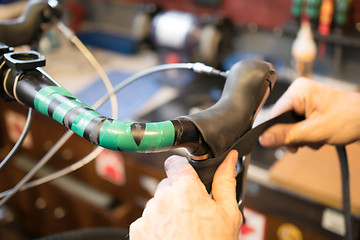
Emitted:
<point x="36" y="11"/>
<point x="20" y="140"/>
<point x="196" y="67"/>
<point x="26" y="86"/>
<point x="32" y="88"/>
<point x="345" y="185"/>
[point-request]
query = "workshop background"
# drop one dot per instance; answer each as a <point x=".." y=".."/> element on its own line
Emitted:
<point x="288" y="196"/>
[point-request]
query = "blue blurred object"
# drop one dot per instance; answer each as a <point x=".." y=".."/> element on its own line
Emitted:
<point x="7" y="1"/>
<point x="117" y="43"/>
<point x="130" y="99"/>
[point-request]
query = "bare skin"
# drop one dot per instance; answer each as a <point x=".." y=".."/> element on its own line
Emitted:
<point x="182" y="209"/>
<point x="332" y="117"/>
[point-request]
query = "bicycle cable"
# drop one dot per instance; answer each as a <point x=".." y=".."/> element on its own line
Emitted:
<point x="70" y="35"/>
<point x="100" y="102"/>
<point x="346" y="201"/>
<point x="21" y="139"/>
<point x="92" y="60"/>
<point x="196" y="67"/>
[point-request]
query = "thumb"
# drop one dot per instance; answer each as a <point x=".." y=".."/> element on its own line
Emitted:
<point x="224" y="183"/>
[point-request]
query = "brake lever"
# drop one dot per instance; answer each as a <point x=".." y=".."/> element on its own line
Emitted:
<point x="244" y="145"/>
<point x="30" y="26"/>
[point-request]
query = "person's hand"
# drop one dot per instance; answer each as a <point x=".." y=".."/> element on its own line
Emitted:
<point x="332" y="117"/>
<point x="182" y="208"/>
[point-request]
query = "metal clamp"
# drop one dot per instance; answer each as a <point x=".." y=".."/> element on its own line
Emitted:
<point x="24" y="61"/>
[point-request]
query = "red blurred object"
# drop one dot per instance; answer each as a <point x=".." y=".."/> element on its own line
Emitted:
<point x="172" y="58"/>
<point x="326" y="16"/>
<point x="265" y="14"/>
<point x="325" y="20"/>
<point x="77" y="14"/>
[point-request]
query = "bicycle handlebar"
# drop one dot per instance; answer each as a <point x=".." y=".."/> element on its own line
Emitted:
<point x="205" y="134"/>
<point x="28" y="28"/>
<point x="246" y="87"/>
<point x="209" y="134"/>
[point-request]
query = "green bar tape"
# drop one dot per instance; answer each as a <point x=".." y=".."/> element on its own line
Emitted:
<point x="61" y="110"/>
<point x="117" y="133"/>
<point x="158" y="136"/>
<point x="46" y="95"/>
<point x="82" y="121"/>
<point x="114" y="134"/>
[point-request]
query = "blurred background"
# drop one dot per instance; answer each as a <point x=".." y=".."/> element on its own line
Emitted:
<point x="298" y="198"/>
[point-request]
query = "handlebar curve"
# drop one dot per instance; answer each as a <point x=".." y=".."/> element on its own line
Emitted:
<point x="244" y="90"/>
<point x="35" y="89"/>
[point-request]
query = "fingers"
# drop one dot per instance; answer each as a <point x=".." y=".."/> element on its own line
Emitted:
<point x="299" y="97"/>
<point x="284" y="104"/>
<point x="165" y="183"/>
<point x="176" y="167"/>
<point x="224" y="183"/>
<point x="163" y="186"/>
<point x="276" y="136"/>
<point x="137" y="230"/>
<point x="307" y="132"/>
<point x="293" y="98"/>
